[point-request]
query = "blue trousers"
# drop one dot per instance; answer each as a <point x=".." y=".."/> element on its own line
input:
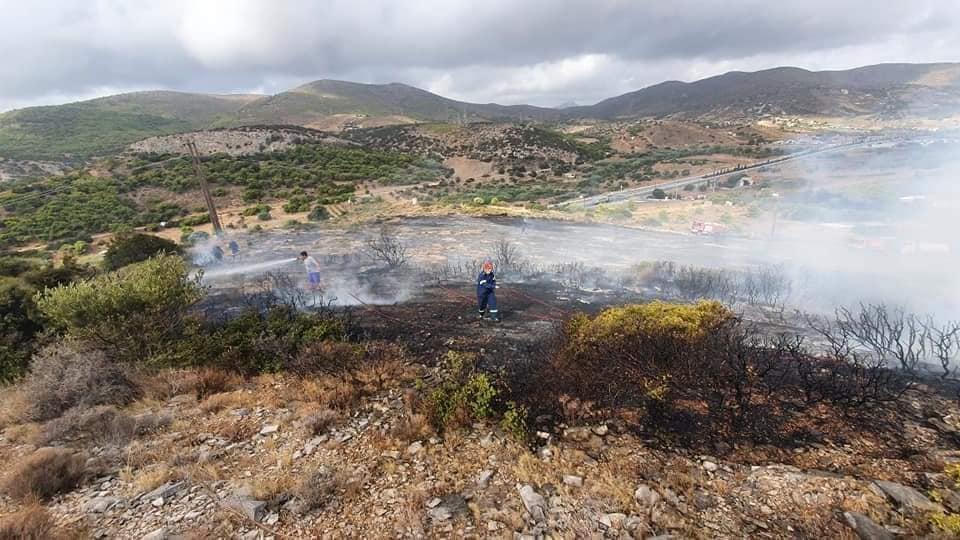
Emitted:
<point x="487" y="298"/>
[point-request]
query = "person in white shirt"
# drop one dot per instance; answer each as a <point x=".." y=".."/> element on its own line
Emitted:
<point x="313" y="269"/>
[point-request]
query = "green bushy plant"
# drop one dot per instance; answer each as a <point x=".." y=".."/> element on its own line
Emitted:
<point x="132" y="314"/>
<point x="134" y="247"/>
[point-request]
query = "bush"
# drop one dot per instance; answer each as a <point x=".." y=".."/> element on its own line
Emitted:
<point x="45" y="473"/>
<point x="320" y="488"/>
<point x="264" y="216"/>
<point x="132" y="248"/>
<point x="319" y="422"/>
<point x="133" y="314"/>
<point x="32" y="522"/>
<point x="659" y="194"/>
<point x="254" y="210"/>
<point x="319" y="213"/>
<point x="637" y="352"/>
<point x="464" y="394"/>
<point x="297" y="203"/>
<point x="63" y="377"/>
<point x="102" y="426"/>
<point x="260" y="341"/>
<point x="193" y="221"/>
<point x="19" y="325"/>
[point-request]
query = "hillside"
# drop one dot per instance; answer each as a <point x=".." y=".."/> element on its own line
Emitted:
<point x="105" y="125"/>
<point x="318" y="100"/>
<point x="889" y="90"/>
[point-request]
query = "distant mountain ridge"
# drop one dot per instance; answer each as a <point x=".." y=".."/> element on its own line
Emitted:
<point x="105" y="125"/>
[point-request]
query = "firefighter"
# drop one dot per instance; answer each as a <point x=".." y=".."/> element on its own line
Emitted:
<point x="234" y="248"/>
<point x="486" y="292"/>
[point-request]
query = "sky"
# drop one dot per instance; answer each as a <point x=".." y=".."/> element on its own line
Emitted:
<point x="542" y="52"/>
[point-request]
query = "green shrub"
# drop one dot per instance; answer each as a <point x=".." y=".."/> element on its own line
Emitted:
<point x="256" y="341"/>
<point x="254" y="210"/>
<point x="19" y="325"/>
<point x="132" y="248"/>
<point x="464" y="394"/>
<point x="297" y="203"/>
<point x="193" y="221"/>
<point x="514" y="421"/>
<point x="264" y="216"/>
<point x="319" y="213"/>
<point x="132" y="314"/>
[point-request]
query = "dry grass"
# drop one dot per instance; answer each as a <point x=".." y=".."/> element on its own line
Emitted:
<point x="151" y="478"/>
<point x="228" y="400"/>
<point x="530" y="470"/>
<point x="63" y="376"/>
<point x="102" y="425"/>
<point x="613" y="486"/>
<point x="32" y="522"/>
<point x="412" y="427"/>
<point x="321" y="487"/>
<point x="319" y="422"/>
<point x="275" y="486"/>
<point x="139" y="454"/>
<point x="202" y="382"/>
<point x="342" y="395"/>
<point x="45" y="473"/>
<point x="22" y="433"/>
<point x="237" y="431"/>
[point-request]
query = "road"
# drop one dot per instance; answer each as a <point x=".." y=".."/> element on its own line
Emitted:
<point x="646" y="191"/>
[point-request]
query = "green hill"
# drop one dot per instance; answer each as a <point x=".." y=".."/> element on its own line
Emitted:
<point x="314" y="101"/>
<point x="106" y="125"/>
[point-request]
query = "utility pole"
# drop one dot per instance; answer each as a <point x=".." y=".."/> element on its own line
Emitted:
<point x="204" y="187"/>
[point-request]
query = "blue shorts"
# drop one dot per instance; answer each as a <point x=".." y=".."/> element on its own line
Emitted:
<point x="313" y="278"/>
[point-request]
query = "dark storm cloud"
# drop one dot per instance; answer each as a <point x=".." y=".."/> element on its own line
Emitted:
<point x="534" y="50"/>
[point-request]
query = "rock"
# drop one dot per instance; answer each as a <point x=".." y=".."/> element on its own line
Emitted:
<point x="250" y="508"/>
<point x="601" y="430"/>
<point x="251" y="535"/>
<point x="766" y="510"/>
<point x="414" y="448"/>
<point x="633" y="523"/>
<point x="100" y="505"/>
<point x="573" y="480"/>
<point x="448" y="507"/>
<point x="392" y="454"/>
<point x="709" y="466"/>
<point x="950" y="499"/>
<point x="535" y="504"/>
<point x="269" y="429"/>
<point x="545" y="453"/>
<point x="484" y="478"/>
<point x="434" y="502"/>
<point x="165" y="491"/>
<point x="272" y="519"/>
<point x="703" y="500"/>
<point x="488" y="440"/>
<point x="159" y="534"/>
<point x="493" y="525"/>
<point x="865" y="527"/>
<point x="646" y="496"/>
<point x="158" y="502"/>
<point x="613" y="521"/>
<point x="908" y="498"/>
<point x="577" y="434"/>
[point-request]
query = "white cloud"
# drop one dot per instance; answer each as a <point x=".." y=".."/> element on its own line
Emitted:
<point x="538" y="51"/>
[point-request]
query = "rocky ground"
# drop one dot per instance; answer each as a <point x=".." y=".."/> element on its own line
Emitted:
<point x="233" y="465"/>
